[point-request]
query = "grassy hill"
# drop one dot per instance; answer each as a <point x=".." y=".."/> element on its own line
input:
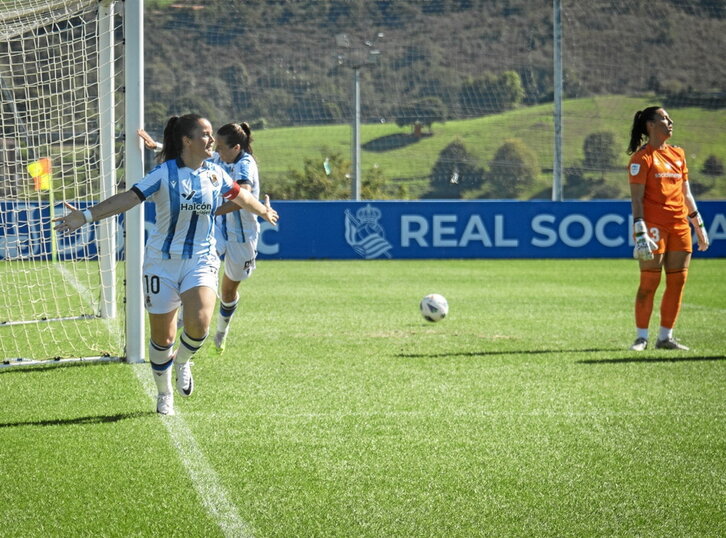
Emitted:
<point x="284" y="149"/>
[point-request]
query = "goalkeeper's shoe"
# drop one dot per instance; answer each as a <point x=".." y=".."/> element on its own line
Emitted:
<point x="640" y="344"/>
<point x="670" y="343"/>
<point x="219" y="341"/>
<point x="184" y="379"/>
<point x="165" y="404"/>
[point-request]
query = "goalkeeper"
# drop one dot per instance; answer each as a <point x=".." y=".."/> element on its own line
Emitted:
<point x="180" y="259"/>
<point x="662" y="206"/>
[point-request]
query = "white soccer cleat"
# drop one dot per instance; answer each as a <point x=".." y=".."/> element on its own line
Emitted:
<point x="670" y="343"/>
<point x="165" y="404"/>
<point x="640" y="344"/>
<point x="219" y="339"/>
<point x="184" y="379"/>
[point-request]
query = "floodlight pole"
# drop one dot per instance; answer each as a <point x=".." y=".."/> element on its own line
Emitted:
<point x="557" y="163"/>
<point x="355" y="194"/>
<point x="356" y="59"/>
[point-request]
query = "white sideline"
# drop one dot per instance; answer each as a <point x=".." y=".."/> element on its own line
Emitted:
<point x="204" y="478"/>
<point x="203" y="475"/>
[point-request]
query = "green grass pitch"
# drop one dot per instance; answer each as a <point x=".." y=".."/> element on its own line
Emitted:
<point x="336" y="410"/>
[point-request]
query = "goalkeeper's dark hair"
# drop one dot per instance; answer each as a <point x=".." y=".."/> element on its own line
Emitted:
<point x="177" y="128"/>
<point x="237" y="133"/>
<point x="639" y="131"/>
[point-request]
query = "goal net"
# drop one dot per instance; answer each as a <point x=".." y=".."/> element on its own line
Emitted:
<point x="58" y="294"/>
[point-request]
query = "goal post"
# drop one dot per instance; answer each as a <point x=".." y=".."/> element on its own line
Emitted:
<point x="60" y="296"/>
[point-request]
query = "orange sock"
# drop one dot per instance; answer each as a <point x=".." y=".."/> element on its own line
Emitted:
<point x="672" y="296"/>
<point x="649" y="281"/>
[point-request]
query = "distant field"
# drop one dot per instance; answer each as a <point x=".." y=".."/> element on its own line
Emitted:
<point x="697" y="130"/>
<point x="338" y="411"/>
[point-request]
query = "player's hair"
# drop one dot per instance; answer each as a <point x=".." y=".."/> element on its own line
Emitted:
<point x="177" y="128"/>
<point x="237" y="133"/>
<point x="639" y="131"/>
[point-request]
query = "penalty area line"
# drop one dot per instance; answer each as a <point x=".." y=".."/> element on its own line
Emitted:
<point x="204" y="477"/>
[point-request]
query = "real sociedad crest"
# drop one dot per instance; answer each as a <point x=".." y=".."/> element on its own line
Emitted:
<point x="365" y="235"/>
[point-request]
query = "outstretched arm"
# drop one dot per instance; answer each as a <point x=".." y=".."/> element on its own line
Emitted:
<point x="149" y="142"/>
<point x="246" y="200"/>
<point x="228" y="207"/>
<point x="118" y="203"/>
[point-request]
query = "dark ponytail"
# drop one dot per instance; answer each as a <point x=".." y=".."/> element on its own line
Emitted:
<point x="177" y="128"/>
<point x="639" y="130"/>
<point x="237" y="133"/>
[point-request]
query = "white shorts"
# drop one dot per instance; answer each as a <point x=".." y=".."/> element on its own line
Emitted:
<point x="165" y="280"/>
<point x="239" y="258"/>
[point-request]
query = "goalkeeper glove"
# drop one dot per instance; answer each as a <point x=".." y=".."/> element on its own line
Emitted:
<point x="644" y="244"/>
<point x="701" y="234"/>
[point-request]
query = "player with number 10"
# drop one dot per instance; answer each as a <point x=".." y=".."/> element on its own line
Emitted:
<point x="180" y="260"/>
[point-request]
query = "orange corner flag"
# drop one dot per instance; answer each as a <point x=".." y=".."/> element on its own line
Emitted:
<point x="40" y="170"/>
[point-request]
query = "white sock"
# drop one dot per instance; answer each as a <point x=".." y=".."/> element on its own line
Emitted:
<point x="665" y="333"/>
<point x="226" y="311"/>
<point x="643" y="333"/>
<point x="188" y="346"/>
<point x="161" y="361"/>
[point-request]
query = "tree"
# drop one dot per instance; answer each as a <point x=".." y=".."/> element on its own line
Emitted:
<point x="491" y="94"/>
<point x="425" y="111"/>
<point x="513" y="169"/>
<point x="712" y="166"/>
<point x="454" y="173"/>
<point x="600" y="152"/>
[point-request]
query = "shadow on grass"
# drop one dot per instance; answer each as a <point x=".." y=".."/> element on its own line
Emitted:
<point x="492" y="353"/>
<point x="51" y="365"/>
<point x="392" y="141"/>
<point x="101" y="419"/>
<point x="653" y="359"/>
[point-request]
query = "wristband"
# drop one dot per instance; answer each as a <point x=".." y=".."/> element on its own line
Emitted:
<point x="639" y="227"/>
<point x="88" y="216"/>
<point x="693" y="215"/>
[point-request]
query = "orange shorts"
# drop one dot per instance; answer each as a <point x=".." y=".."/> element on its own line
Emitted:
<point x="671" y="239"/>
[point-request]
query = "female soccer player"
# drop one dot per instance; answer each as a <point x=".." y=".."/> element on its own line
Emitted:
<point x="180" y="262"/>
<point x="662" y="205"/>
<point x="237" y="230"/>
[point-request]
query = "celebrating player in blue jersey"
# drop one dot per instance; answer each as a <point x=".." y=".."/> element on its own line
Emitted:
<point x="237" y="230"/>
<point x="180" y="261"/>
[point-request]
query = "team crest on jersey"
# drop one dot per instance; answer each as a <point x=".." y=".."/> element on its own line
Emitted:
<point x="214" y="179"/>
<point x="634" y="169"/>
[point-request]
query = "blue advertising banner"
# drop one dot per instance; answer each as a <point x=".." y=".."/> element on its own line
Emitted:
<point x="463" y="229"/>
<point x="395" y="230"/>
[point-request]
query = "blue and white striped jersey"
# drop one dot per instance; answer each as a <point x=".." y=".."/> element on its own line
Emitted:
<point x="237" y="225"/>
<point x="185" y="201"/>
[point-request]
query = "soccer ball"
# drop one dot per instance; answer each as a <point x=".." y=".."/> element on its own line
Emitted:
<point x="434" y="307"/>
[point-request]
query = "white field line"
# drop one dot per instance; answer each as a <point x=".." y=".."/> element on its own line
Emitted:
<point x="205" y="479"/>
<point x="203" y="475"/>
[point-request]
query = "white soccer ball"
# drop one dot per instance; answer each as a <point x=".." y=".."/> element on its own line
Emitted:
<point x="434" y="307"/>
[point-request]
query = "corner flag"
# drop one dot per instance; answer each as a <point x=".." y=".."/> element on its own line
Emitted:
<point x="40" y="170"/>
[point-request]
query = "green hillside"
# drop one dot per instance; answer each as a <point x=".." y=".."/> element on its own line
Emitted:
<point x="284" y="149"/>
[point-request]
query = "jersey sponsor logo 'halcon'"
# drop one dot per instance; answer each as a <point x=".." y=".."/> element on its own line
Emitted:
<point x="200" y="209"/>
